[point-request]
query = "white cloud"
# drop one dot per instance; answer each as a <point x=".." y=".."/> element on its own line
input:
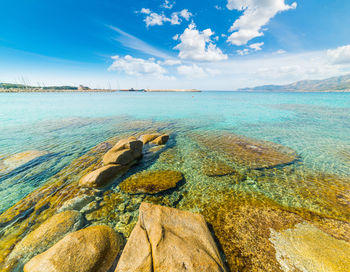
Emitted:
<point x="256" y="14"/>
<point x="280" y="51"/>
<point x="155" y="19"/>
<point x="340" y="55"/>
<point x="137" y="66"/>
<point x="185" y="14"/>
<point x="195" y="71"/>
<point x="170" y="62"/>
<point x="218" y="7"/>
<point x="243" y="52"/>
<point x="197" y="45"/>
<point x="168" y="4"/>
<point x="256" y="46"/>
<point x="135" y="43"/>
<point x="145" y="11"/>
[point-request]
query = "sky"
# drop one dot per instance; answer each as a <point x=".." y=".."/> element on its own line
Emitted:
<point x="206" y="44"/>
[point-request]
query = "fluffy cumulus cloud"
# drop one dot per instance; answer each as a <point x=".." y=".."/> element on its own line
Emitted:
<point x="197" y="45"/>
<point x="340" y="55"/>
<point x="256" y="46"/>
<point x="137" y="66"/>
<point x="153" y="18"/>
<point x="256" y="14"/>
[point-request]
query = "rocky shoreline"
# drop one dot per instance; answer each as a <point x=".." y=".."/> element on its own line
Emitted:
<point x="137" y="217"/>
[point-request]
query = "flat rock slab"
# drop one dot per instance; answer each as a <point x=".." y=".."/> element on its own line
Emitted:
<point x="151" y="182"/>
<point x="247" y="152"/>
<point x="167" y="239"/>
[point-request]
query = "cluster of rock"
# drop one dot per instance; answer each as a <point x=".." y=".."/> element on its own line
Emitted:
<point x="118" y="160"/>
<point x="164" y="239"/>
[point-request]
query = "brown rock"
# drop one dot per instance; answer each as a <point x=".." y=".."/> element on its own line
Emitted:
<point x="151" y="182"/>
<point x="161" y="140"/>
<point x="103" y="175"/>
<point x="124" y="152"/>
<point x="146" y="138"/>
<point x="167" y="239"/>
<point x="93" y="249"/>
<point x="47" y="234"/>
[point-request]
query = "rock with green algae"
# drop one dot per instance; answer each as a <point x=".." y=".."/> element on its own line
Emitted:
<point x="216" y="168"/>
<point x="307" y="248"/>
<point x="92" y="249"/>
<point x="151" y="182"/>
<point x="246" y="152"/>
<point x="47" y="234"/>
<point x="167" y="239"/>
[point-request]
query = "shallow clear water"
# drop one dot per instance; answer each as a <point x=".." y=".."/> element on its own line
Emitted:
<point x="316" y="125"/>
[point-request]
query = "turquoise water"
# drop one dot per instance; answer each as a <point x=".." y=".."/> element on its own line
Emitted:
<point x="66" y="125"/>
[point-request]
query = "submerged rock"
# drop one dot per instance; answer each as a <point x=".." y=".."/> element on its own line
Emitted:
<point x="124" y="152"/>
<point x="48" y="233"/>
<point x="102" y="176"/>
<point x="215" y="168"/>
<point x="92" y="249"/>
<point x="307" y="248"/>
<point x="151" y="182"/>
<point x="247" y="152"/>
<point x="146" y="138"/>
<point x="167" y="239"/>
<point x="17" y="160"/>
<point x="161" y="140"/>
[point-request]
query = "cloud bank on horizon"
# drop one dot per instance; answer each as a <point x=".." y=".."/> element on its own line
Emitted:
<point x="220" y="44"/>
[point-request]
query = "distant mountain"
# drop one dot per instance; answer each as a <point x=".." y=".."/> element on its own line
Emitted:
<point x="333" y="84"/>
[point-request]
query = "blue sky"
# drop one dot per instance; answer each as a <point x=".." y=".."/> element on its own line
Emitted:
<point x="207" y="44"/>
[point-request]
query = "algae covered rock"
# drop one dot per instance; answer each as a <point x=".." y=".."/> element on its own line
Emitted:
<point x="246" y="152"/>
<point x="124" y="152"/>
<point x="103" y="175"/>
<point x="167" y="239"/>
<point x="161" y="140"/>
<point x="146" y="138"/>
<point x="215" y="168"/>
<point x="92" y="249"/>
<point x="48" y="233"/>
<point x="151" y="182"/>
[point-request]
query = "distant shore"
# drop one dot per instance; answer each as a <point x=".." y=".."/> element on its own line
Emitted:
<point x="38" y="90"/>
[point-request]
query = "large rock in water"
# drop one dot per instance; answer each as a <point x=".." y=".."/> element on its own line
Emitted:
<point x="146" y="138"/>
<point x="167" y="239"/>
<point x="124" y="152"/>
<point x="246" y="152"/>
<point x="20" y="159"/>
<point x="103" y="175"/>
<point x="161" y="140"/>
<point x="47" y="234"/>
<point x="93" y="249"/>
<point x="151" y="182"/>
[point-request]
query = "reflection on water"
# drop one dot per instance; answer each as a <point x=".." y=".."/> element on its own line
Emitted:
<point x="262" y="174"/>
